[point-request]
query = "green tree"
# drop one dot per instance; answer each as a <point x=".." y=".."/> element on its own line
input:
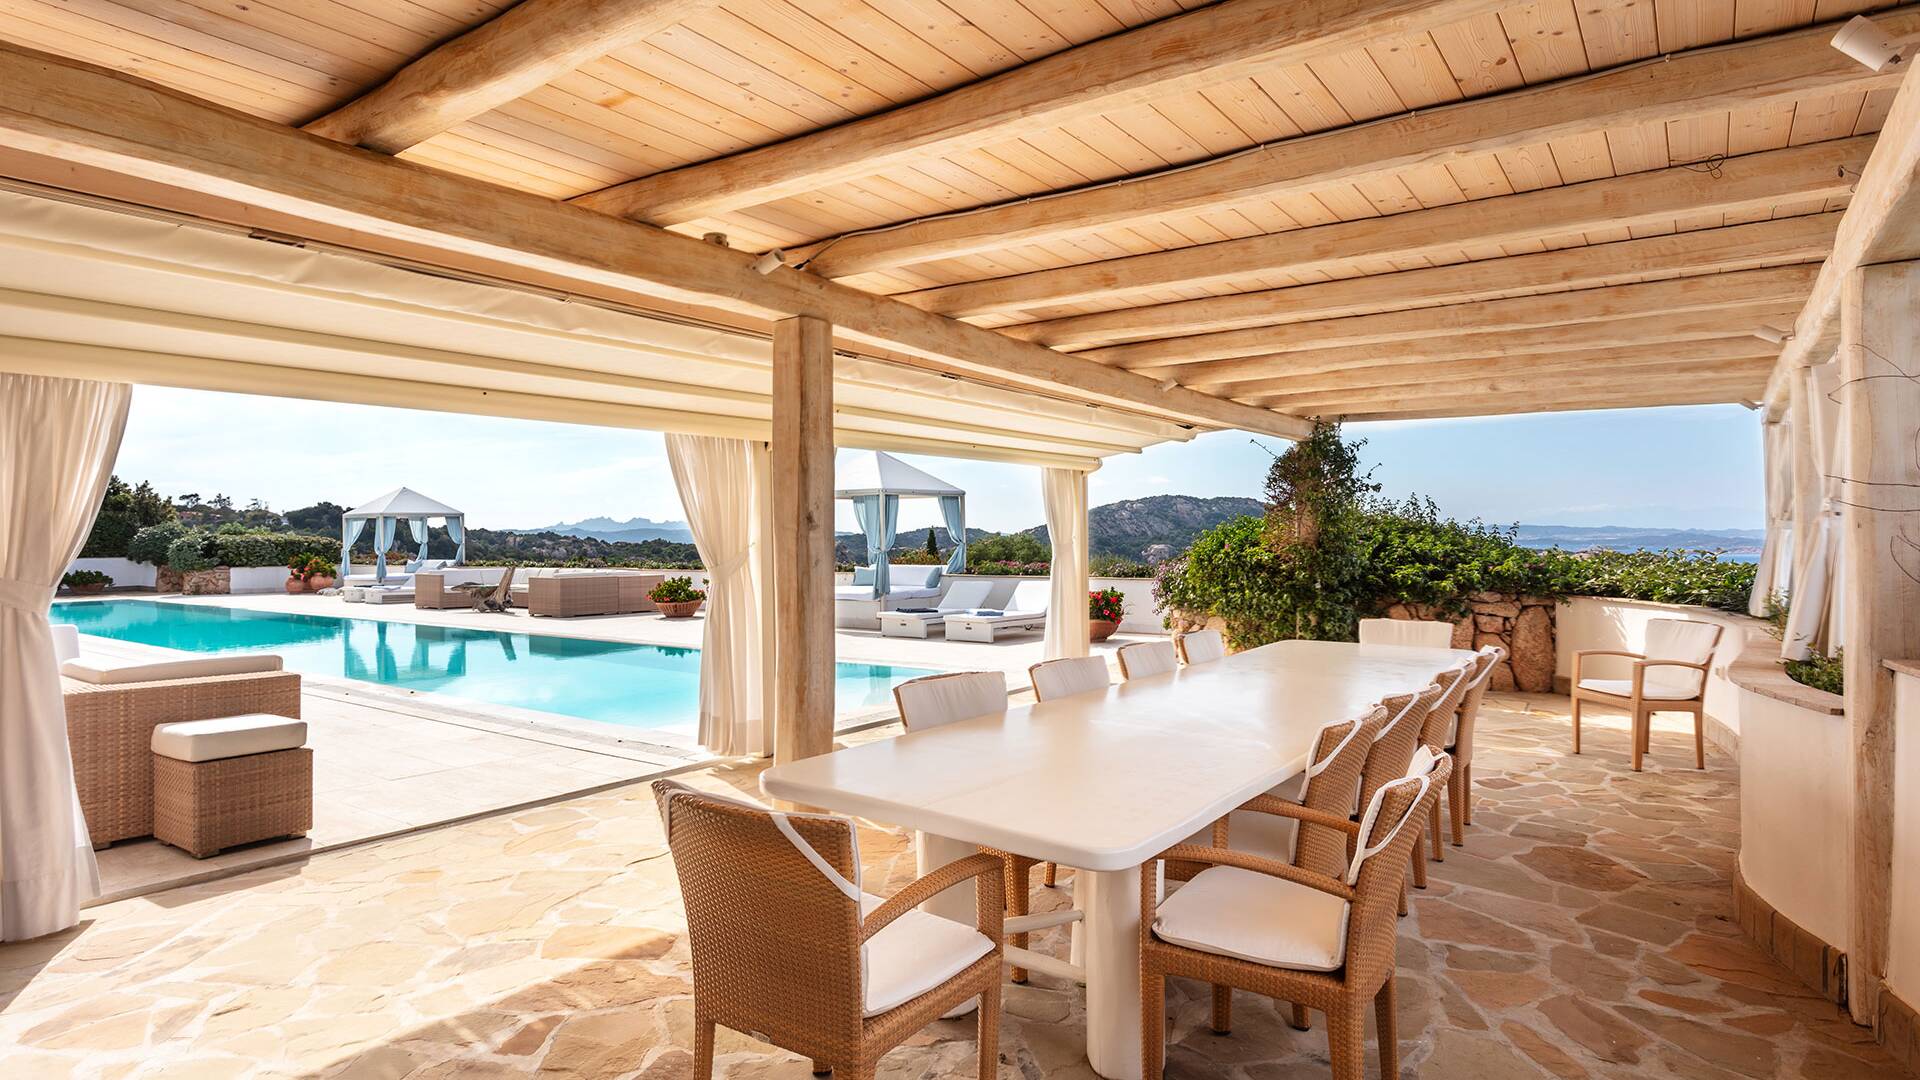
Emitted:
<point x="932" y="548"/>
<point x="124" y="511"/>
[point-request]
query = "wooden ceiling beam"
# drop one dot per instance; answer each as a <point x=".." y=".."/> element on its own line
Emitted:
<point x="1752" y="369"/>
<point x="1750" y="182"/>
<point x="1739" y="392"/>
<point x="1737" y="247"/>
<point x="1441" y="372"/>
<point x="1224" y="376"/>
<point x="91" y="117"/>
<point x="1213" y="44"/>
<point x="504" y="58"/>
<point x="1782" y="284"/>
<point x="1740" y="75"/>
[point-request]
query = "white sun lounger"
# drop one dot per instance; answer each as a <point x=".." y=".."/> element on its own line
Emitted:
<point x="1026" y="613"/>
<point x="962" y="597"/>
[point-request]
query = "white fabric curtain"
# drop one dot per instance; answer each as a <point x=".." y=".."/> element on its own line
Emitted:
<point x="58" y="439"/>
<point x="384" y="530"/>
<point x="1778" y="491"/>
<point x="418" y="527"/>
<point x="350" y="530"/>
<point x="1812" y="618"/>
<point x="457" y="529"/>
<point x="1064" y="491"/>
<point x="878" y="516"/>
<point x="723" y="489"/>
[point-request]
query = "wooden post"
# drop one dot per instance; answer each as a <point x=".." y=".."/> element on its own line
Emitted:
<point x="1880" y="410"/>
<point x="803" y="537"/>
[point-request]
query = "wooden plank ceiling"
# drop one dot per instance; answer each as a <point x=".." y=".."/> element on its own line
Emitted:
<point x="1330" y="207"/>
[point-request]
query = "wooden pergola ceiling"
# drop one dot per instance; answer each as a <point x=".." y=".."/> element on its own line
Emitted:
<point x="1284" y="208"/>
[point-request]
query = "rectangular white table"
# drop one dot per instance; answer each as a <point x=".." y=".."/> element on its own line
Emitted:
<point x="1104" y="782"/>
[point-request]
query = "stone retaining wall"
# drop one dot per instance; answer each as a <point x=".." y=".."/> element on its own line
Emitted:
<point x="215" y="582"/>
<point x="1523" y="625"/>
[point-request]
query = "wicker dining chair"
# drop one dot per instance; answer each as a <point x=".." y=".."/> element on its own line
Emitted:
<point x="1144" y="658"/>
<point x="788" y="947"/>
<point x="1424" y="633"/>
<point x="1201" y="647"/>
<point x="1318" y="940"/>
<point x="1437" y="732"/>
<point x="1669" y="676"/>
<point x="935" y="700"/>
<point x="1069" y="675"/>
<point x="1459" y="742"/>
<point x="1393" y="748"/>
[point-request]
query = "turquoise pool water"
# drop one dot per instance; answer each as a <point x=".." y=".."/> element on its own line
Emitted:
<point x="643" y="686"/>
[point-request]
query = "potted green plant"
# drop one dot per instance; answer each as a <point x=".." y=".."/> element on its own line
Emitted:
<point x="297" y="575"/>
<point x="677" y="598"/>
<point x="1105" y="609"/>
<point x="320" y="570"/>
<point x="85" y="582"/>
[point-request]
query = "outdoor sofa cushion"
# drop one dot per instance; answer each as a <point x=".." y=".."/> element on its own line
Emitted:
<point x="1251" y="916"/>
<point x="227" y="737"/>
<point x="913" y="954"/>
<point x="1651" y="689"/>
<point x="114" y="670"/>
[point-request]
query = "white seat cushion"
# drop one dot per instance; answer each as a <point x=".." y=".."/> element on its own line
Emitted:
<point x="113" y="670"/>
<point x="227" y="737"/>
<point x="1652" y="689"/>
<point x="1228" y="911"/>
<point x="915" y="953"/>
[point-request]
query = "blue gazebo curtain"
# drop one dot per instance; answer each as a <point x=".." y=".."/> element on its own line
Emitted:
<point x="383" y="534"/>
<point x="418" y="526"/>
<point x="349" y="532"/>
<point x="878" y="515"/>
<point x="457" y="529"/>
<point x="953" y="508"/>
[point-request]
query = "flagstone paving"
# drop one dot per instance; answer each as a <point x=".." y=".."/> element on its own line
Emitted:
<point x="1586" y="930"/>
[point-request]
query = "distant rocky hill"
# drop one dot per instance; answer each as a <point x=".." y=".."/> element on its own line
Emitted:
<point x="631" y="531"/>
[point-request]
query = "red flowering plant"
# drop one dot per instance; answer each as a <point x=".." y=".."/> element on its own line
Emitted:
<point x="1108" y="605"/>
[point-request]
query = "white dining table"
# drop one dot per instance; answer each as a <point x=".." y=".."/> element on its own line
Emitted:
<point x="1103" y="782"/>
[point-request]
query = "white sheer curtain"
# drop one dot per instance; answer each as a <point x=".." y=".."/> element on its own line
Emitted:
<point x="724" y="490"/>
<point x="1064" y="491"/>
<point x="1777" y="456"/>
<point x="58" y="438"/>
<point x="1813" y="621"/>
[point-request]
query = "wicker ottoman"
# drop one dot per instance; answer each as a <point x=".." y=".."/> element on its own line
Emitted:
<point x="234" y="780"/>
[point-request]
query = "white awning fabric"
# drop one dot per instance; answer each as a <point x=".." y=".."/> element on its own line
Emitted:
<point x="871" y="472"/>
<point x="403" y="503"/>
<point x="89" y="292"/>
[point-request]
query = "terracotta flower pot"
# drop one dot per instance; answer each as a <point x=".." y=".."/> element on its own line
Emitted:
<point x="682" y="610"/>
<point x="93" y="589"/>
<point x="295" y="585"/>
<point x="1100" y="629"/>
<point x="318" y="582"/>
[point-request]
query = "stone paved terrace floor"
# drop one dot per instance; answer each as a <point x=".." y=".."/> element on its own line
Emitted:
<point x="1585" y="931"/>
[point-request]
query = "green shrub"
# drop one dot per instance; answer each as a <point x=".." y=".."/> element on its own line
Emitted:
<point x="75" y="578"/>
<point x="1672" y="577"/>
<point x="915" y="557"/>
<point x="1232" y="573"/>
<point x="189" y="553"/>
<point x="150" y="544"/>
<point x="1113" y="566"/>
<point x="245" y="548"/>
<point x="1009" y="548"/>
<point x="124" y="511"/>
<point x="1008" y="569"/>
<point x="1820" y="672"/>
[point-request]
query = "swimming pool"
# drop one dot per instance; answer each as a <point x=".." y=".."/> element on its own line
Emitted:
<point x="642" y="686"/>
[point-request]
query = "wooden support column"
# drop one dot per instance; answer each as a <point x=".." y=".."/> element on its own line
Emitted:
<point x="1880" y="411"/>
<point x="802" y="456"/>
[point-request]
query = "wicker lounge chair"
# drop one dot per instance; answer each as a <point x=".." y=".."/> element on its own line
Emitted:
<point x="787" y="946"/>
<point x="1318" y="940"/>
<point x="1670" y="676"/>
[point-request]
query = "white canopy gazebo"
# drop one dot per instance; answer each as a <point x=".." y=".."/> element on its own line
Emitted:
<point x="875" y="482"/>
<point x="386" y="513"/>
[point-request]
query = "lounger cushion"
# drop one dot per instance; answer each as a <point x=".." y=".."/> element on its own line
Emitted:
<point x="1250" y="916"/>
<point x="863" y="575"/>
<point x="66" y="642"/>
<point x="114" y="670"/>
<point x="915" y="953"/>
<point x="1652" y="688"/>
<point x="228" y="737"/>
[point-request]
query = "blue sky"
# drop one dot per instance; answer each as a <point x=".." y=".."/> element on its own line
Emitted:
<point x="1693" y="467"/>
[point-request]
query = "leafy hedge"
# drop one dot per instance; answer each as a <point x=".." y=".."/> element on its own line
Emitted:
<point x="180" y="548"/>
<point x="1329" y="553"/>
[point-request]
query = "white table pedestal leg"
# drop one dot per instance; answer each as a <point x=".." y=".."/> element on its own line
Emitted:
<point x="930" y="853"/>
<point x="1108" y="940"/>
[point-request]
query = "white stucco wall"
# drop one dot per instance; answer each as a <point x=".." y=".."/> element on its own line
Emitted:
<point x="1589" y="622"/>
<point x="125" y="572"/>
<point x="1903" y="951"/>
<point x="253" y="579"/>
<point x="1796" y="806"/>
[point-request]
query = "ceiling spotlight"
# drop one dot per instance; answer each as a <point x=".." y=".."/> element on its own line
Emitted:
<point x="771" y="261"/>
<point x="1862" y="39"/>
<point x="1773" y="336"/>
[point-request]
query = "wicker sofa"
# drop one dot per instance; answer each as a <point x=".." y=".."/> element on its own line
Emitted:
<point x="439" y="589"/>
<point x="571" y="593"/>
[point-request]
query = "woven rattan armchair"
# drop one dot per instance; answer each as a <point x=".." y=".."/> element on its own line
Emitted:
<point x="1437" y="733"/>
<point x="1670" y="676"/>
<point x="1321" y="941"/>
<point x="1393" y="748"/>
<point x="787" y="947"/>
<point x="933" y="700"/>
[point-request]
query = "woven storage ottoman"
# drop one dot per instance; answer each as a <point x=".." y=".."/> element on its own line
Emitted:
<point x="235" y="780"/>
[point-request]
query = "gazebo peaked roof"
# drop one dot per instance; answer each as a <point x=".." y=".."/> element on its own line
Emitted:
<point x="403" y="503"/>
<point x="873" y="472"/>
